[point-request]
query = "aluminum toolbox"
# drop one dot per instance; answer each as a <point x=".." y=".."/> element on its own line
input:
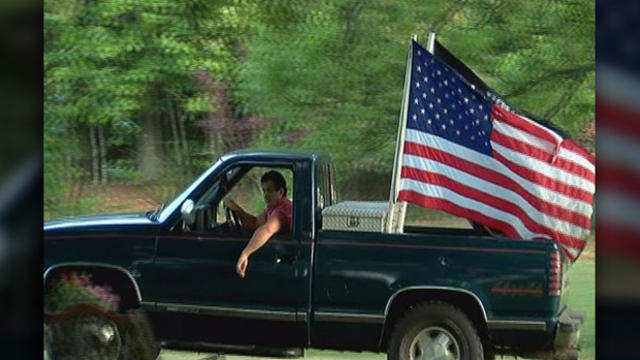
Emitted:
<point x="368" y="216"/>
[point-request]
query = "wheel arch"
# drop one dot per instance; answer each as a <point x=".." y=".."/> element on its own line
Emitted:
<point x="404" y="299"/>
<point x="118" y="278"/>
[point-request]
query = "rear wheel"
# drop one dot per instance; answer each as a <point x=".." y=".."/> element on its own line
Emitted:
<point x="96" y="337"/>
<point x="434" y="331"/>
<point x="91" y="336"/>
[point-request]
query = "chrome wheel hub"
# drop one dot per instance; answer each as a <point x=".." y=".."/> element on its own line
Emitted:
<point x="434" y="343"/>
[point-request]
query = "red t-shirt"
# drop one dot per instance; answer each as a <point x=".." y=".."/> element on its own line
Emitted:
<point x="284" y="211"/>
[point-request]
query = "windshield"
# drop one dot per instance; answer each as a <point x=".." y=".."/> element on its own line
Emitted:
<point x="167" y="210"/>
<point x="153" y="214"/>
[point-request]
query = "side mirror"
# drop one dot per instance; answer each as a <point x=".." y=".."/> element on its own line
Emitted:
<point x="188" y="215"/>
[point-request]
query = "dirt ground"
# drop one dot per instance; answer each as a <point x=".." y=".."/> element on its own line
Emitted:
<point x="123" y="198"/>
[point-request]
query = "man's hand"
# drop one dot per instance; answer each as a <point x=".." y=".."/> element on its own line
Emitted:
<point x="241" y="265"/>
<point x="228" y="202"/>
<point x="259" y="238"/>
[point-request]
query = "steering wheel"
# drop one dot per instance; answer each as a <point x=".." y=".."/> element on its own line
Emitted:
<point x="233" y="219"/>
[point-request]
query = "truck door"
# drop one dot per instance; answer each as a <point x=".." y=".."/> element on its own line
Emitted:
<point x="197" y="291"/>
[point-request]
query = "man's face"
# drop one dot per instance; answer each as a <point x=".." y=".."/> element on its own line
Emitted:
<point x="270" y="194"/>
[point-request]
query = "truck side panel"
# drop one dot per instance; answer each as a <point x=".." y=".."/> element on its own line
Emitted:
<point x="357" y="274"/>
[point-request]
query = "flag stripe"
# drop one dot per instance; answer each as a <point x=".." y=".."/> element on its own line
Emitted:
<point x="450" y="202"/>
<point x="544" y="181"/>
<point x="523" y="136"/>
<point x="620" y="240"/>
<point x="439" y="203"/>
<point x="623" y="179"/>
<point x="501" y="182"/>
<point x="506" y="194"/>
<point x="522" y="146"/>
<point x="514" y="228"/>
<point x="619" y="208"/>
<point x="531" y="143"/>
<point x="571" y="253"/>
<point x="542" y="170"/>
<point x="524" y="124"/>
<point x="540" y="154"/>
<point x="439" y="149"/>
<point x="495" y="197"/>
<point x="574" y="152"/>
<point x="619" y="117"/>
<point x="568" y="149"/>
<point x="618" y="149"/>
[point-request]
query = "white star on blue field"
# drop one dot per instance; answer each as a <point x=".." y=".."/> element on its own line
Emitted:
<point x="443" y="104"/>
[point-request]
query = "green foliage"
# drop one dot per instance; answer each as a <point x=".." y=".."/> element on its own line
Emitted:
<point x="61" y="175"/>
<point x="124" y="170"/>
<point x="329" y="76"/>
<point x="539" y="55"/>
<point x="66" y="295"/>
<point x="70" y="290"/>
<point x="324" y="75"/>
<point x="73" y="288"/>
<point x="109" y="61"/>
<point x="119" y="64"/>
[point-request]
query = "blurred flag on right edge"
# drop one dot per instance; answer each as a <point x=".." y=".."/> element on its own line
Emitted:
<point x="618" y="145"/>
<point x="618" y="138"/>
<point x="618" y="200"/>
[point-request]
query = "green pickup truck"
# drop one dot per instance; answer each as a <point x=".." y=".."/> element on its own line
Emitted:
<point x="421" y="293"/>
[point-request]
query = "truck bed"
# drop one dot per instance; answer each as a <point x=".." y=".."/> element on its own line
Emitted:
<point x="362" y="272"/>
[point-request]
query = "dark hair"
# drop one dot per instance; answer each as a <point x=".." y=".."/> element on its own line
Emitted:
<point x="276" y="179"/>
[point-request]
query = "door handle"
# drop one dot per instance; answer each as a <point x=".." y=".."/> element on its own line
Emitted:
<point x="286" y="259"/>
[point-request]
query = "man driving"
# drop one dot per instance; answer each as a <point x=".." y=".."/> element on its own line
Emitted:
<point x="276" y="217"/>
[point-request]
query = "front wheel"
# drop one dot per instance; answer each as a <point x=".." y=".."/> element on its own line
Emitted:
<point x="434" y="331"/>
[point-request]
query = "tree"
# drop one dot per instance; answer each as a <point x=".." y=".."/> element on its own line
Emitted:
<point x="329" y="76"/>
<point x="125" y="66"/>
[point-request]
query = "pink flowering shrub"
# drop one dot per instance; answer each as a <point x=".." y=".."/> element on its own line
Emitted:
<point x="73" y="288"/>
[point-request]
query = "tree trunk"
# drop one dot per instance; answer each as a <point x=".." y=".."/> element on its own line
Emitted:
<point x="94" y="155"/>
<point x="103" y="156"/>
<point x="148" y="156"/>
<point x="185" y="144"/>
<point x="211" y="142"/>
<point x="176" y="136"/>
<point x="219" y="146"/>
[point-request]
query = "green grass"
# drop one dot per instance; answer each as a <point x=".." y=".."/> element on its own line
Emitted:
<point x="580" y="296"/>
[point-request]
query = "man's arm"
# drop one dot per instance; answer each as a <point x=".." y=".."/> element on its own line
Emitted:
<point x="260" y="237"/>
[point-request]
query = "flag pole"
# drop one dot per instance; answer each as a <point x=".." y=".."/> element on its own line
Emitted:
<point x="397" y="161"/>
<point x="431" y="42"/>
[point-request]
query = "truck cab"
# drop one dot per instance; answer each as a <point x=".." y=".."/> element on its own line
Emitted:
<point x="270" y="306"/>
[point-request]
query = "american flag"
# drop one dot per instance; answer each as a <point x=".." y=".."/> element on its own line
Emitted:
<point x="618" y="114"/>
<point x="467" y="154"/>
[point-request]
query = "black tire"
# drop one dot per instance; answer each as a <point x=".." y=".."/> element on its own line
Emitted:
<point x="96" y="337"/>
<point x="413" y="335"/>
<point x="90" y="336"/>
